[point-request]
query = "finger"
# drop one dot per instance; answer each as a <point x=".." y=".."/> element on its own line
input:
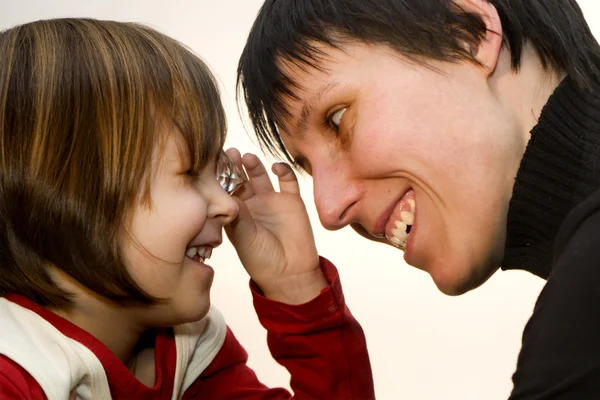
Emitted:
<point x="259" y="178"/>
<point x="246" y="191"/>
<point x="288" y="182"/>
<point x="235" y="156"/>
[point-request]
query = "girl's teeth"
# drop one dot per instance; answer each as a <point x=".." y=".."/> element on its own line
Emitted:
<point x="191" y="252"/>
<point x="204" y="253"/>
<point x="411" y="203"/>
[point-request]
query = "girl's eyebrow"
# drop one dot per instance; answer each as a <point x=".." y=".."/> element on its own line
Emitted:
<point x="308" y="108"/>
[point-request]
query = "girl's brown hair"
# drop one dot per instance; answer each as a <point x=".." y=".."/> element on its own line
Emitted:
<point x="81" y="106"/>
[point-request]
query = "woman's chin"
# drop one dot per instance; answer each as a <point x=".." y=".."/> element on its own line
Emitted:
<point x="459" y="278"/>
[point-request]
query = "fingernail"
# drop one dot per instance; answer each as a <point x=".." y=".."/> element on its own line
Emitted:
<point x="281" y="167"/>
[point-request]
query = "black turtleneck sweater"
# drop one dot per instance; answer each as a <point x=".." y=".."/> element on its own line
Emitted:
<point x="553" y="231"/>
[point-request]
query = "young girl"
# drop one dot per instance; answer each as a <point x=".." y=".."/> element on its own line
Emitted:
<point x="111" y="135"/>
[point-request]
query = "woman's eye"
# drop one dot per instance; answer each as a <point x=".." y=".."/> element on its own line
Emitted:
<point x="336" y="118"/>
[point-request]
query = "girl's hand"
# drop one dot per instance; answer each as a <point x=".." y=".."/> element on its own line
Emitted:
<point x="272" y="234"/>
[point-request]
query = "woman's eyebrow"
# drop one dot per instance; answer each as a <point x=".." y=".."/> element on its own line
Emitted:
<point x="308" y="107"/>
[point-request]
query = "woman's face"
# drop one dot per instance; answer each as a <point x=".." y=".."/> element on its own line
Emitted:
<point x="389" y="143"/>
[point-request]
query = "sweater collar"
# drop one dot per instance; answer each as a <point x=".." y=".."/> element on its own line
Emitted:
<point x="558" y="170"/>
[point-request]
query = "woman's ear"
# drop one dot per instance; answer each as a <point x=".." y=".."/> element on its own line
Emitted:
<point x="487" y="52"/>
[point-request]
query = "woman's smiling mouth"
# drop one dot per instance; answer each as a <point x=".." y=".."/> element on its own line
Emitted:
<point x="398" y="227"/>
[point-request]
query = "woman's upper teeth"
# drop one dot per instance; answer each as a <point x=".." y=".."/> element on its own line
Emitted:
<point x="400" y="233"/>
<point x="407" y="217"/>
<point x="401" y="226"/>
<point x="412" y="204"/>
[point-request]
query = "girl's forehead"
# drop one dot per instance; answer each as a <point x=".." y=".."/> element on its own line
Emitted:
<point x="176" y="142"/>
<point x="171" y="147"/>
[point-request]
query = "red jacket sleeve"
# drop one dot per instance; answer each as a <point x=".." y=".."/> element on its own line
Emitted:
<point x="16" y="383"/>
<point x="319" y="343"/>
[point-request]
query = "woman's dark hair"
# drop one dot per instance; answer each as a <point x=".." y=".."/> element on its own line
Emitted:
<point x="287" y="30"/>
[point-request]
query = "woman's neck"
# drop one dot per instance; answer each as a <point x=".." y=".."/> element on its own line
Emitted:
<point x="524" y="92"/>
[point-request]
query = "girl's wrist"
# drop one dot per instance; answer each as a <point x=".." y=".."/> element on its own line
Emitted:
<point x="297" y="289"/>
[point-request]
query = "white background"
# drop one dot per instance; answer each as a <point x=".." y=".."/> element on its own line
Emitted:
<point x="423" y="345"/>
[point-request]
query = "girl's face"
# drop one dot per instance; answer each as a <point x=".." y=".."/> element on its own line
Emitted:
<point x="169" y="239"/>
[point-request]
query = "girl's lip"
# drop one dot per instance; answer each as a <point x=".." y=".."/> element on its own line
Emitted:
<point x="212" y="243"/>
